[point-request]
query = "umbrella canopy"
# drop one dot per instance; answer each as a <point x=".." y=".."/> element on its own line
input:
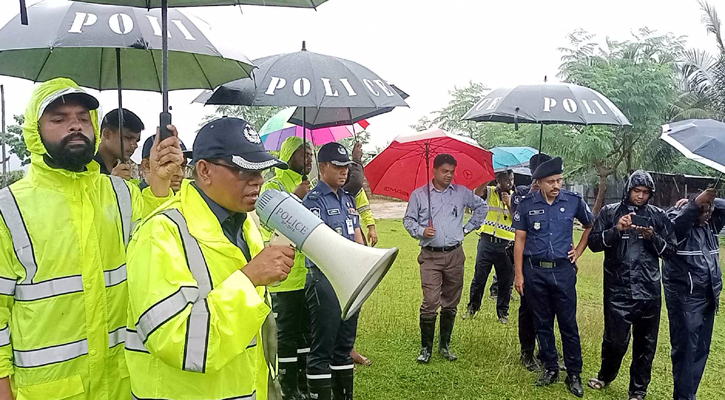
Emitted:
<point x="701" y="140"/>
<point x="548" y="103"/>
<point x="310" y="80"/>
<point x="277" y="129"/>
<point x="407" y="163"/>
<point x="511" y="157"/>
<point x="199" y="3"/>
<point x="79" y="41"/>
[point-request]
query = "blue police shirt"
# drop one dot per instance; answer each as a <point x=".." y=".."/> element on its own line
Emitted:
<point x="338" y="211"/>
<point x="549" y="228"/>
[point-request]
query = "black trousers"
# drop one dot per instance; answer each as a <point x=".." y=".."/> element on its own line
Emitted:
<point x="625" y="319"/>
<point x="332" y="339"/>
<point x="492" y="255"/>
<point x="692" y="318"/>
<point x="293" y="338"/>
<point x="527" y="330"/>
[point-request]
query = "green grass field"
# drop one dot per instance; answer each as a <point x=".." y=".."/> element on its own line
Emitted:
<point x="488" y="352"/>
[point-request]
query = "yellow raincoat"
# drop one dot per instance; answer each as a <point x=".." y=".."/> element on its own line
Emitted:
<point x="195" y="319"/>
<point x="62" y="273"/>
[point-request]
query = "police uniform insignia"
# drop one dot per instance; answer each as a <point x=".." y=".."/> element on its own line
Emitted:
<point x="537" y="225"/>
<point x="517" y="216"/>
<point x="333" y="211"/>
<point x="341" y="150"/>
<point x="251" y="135"/>
<point x="338" y="230"/>
<point x="562" y="209"/>
<point x="316" y="211"/>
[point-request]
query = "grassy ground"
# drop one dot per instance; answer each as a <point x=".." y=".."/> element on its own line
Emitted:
<point x="488" y="352"/>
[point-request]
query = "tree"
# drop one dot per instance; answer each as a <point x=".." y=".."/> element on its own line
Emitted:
<point x="16" y="142"/>
<point x="637" y="75"/>
<point x="256" y="116"/>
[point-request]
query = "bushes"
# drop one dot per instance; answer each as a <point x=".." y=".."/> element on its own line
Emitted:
<point x="11" y="177"/>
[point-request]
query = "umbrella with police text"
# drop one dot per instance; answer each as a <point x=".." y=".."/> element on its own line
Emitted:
<point x="114" y="47"/>
<point x="547" y="103"/>
<point x="406" y="163"/>
<point x="308" y="80"/>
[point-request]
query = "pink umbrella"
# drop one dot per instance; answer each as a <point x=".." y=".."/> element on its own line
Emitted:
<point x="406" y="164"/>
<point x="273" y="140"/>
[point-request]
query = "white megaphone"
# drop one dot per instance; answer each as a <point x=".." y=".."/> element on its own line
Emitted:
<point x="353" y="270"/>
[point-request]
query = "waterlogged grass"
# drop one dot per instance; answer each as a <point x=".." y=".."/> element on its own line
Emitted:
<point x="488" y="352"/>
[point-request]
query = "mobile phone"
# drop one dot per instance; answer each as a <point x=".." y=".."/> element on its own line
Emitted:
<point x="164" y="119"/>
<point x="640" y="221"/>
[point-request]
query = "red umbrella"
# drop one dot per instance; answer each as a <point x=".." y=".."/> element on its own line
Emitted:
<point x="406" y="164"/>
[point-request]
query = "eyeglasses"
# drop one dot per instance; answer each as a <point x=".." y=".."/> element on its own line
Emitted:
<point x="242" y="174"/>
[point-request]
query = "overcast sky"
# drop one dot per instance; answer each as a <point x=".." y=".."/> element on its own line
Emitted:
<point x="425" y="47"/>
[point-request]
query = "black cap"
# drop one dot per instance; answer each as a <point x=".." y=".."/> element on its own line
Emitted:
<point x="234" y="140"/>
<point x="69" y="94"/>
<point x="146" y="150"/>
<point x="548" y="168"/>
<point x="537" y="159"/>
<point x="335" y="153"/>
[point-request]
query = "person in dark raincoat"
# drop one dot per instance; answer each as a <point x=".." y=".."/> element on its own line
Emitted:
<point x="632" y="289"/>
<point x="693" y="281"/>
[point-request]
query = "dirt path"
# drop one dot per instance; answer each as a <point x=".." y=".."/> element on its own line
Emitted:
<point x="388" y="209"/>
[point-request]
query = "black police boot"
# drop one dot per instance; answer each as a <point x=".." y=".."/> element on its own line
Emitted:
<point x="548" y="377"/>
<point x="529" y="361"/>
<point x="448" y="317"/>
<point x="427" y="334"/>
<point x="302" y="376"/>
<point x="288" y="382"/>
<point x="342" y="384"/>
<point x="574" y="384"/>
<point x="320" y="389"/>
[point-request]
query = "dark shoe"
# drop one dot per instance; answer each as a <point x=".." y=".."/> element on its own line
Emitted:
<point x="470" y="312"/>
<point x="548" y="377"/>
<point x="320" y="389"/>
<point x="342" y="384"/>
<point x="424" y="357"/>
<point x="529" y="361"/>
<point x="574" y="384"/>
<point x="427" y="334"/>
<point x="448" y="318"/>
<point x="503" y="320"/>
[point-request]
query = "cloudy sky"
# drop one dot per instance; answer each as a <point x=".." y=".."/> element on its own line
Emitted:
<point x="425" y="47"/>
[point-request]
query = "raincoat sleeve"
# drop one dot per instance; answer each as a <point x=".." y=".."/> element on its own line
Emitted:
<point x="604" y="234"/>
<point x="355" y="178"/>
<point x="10" y="271"/>
<point x="479" y="207"/>
<point x="664" y="241"/>
<point x="410" y="220"/>
<point x="167" y="292"/>
<point x="144" y="201"/>
<point x="363" y="208"/>
<point x="685" y="219"/>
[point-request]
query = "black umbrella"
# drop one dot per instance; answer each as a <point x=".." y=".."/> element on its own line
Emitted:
<point x="701" y="140"/>
<point x="310" y="80"/>
<point x="548" y="103"/>
<point x="115" y="47"/>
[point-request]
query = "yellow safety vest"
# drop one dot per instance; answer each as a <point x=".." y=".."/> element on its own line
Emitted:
<point x="63" y="289"/>
<point x="498" y="220"/>
<point x="197" y="326"/>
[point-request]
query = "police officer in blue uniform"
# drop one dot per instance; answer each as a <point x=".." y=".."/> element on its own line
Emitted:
<point x="545" y="268"/>
<point x="329" y="364"/>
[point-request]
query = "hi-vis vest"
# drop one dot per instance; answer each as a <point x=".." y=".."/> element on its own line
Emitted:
<point x="197" y="326"/>
<point x="63" y="284"/>
<point x="498" y="220"/>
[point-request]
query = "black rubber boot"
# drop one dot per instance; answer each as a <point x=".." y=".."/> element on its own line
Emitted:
<point x="302" y="376"/>
<point x="448" y="318"/>
<point x="427" y="334"/>
<point x="342" y="384"/>
<point x="529" y="361"/>
<point x="288" y="381"/>
<point x="320" y="389"/>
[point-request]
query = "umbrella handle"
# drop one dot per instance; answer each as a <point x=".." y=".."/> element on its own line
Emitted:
<point x="164" y="132"/>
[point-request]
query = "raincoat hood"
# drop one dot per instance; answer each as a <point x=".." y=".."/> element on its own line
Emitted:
<point x="638" y="178"/>
<point x="38" y="102"/>
<point x="289" y="146"/>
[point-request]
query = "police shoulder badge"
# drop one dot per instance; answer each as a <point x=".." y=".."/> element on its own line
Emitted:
<point x="252" y="135"/>
<point x="517" y="216"/>
<point x="316" y="211"/>
<point x="537" y="225"/>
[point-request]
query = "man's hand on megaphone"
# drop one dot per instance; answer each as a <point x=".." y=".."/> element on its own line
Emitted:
<point x="271" y="265"/>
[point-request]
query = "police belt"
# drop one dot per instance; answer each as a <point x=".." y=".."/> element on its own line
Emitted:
<point x="443" y="249"/>
<point x="493" y="239"/>
<point x="562" y="262"/>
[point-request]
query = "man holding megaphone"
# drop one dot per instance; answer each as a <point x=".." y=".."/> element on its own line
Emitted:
<point x="199" y="320"/>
